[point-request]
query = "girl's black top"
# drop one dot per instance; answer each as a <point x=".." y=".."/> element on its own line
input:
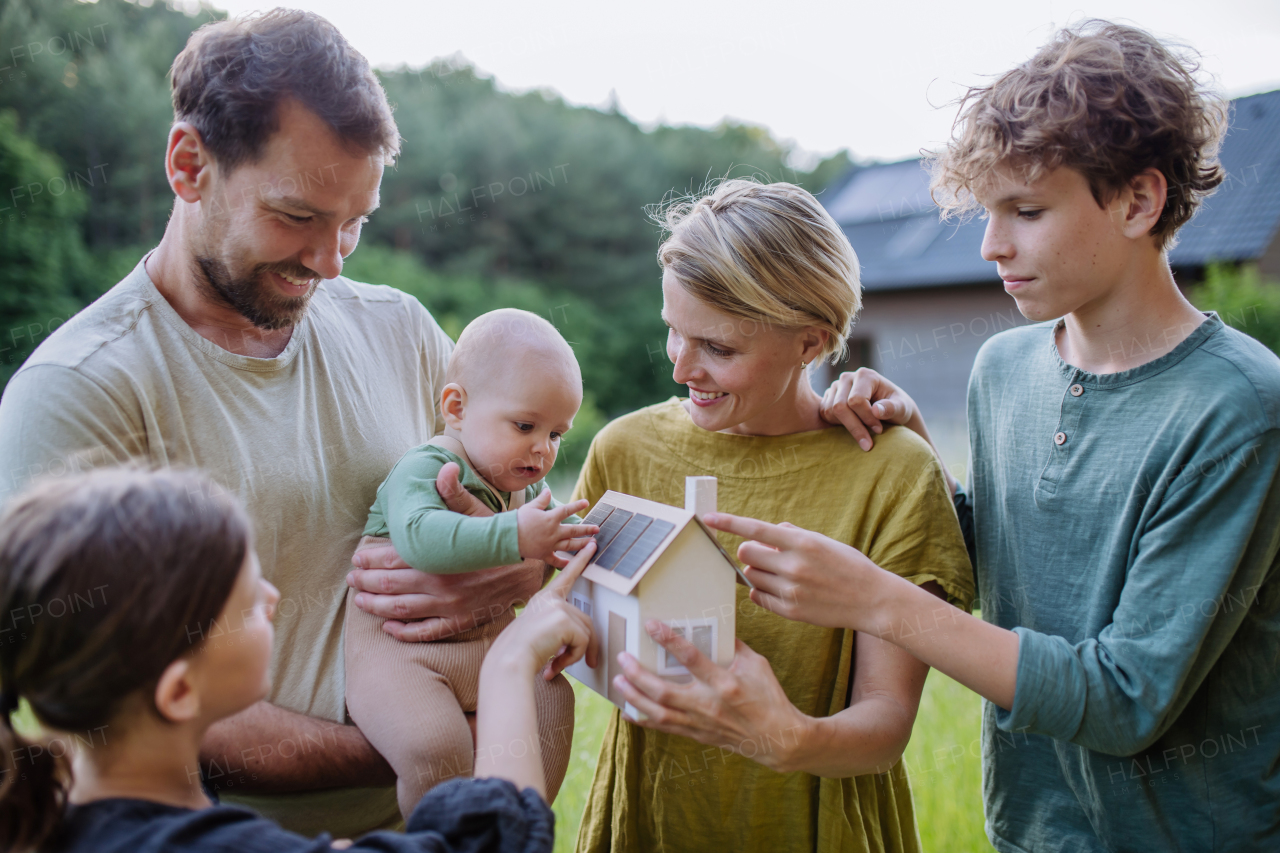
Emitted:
<point x="458" y="816"/>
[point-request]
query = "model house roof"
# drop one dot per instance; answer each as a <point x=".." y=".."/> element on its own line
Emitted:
<point x="888" y="216"/>
<point x="633" y="535"/>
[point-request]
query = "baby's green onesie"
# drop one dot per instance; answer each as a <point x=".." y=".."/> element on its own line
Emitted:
<point x="432" y="538"/>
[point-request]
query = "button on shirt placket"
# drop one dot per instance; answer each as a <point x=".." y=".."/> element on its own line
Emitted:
<point x="1064" y="436"/>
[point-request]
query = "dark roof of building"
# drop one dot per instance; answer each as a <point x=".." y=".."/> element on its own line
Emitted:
<point x="888" y="216"/>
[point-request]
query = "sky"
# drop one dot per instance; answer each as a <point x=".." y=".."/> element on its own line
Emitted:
<point x="877" y="78"/>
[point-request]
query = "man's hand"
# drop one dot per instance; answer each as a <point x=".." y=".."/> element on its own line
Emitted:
<point x="542" y="531"/>
<point x="422" y="607"/>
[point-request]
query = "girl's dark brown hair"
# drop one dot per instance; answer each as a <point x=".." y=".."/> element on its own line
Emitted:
<point x="105" y="579"/>
<point x="1107" y="100"/>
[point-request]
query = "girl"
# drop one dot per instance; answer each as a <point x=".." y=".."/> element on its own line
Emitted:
<point x="136" y="616"/>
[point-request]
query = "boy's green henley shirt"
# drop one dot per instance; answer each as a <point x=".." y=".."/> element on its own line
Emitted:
<point x="1127" y="528"/>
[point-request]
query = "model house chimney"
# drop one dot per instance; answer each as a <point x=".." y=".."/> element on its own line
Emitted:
<point x="700" y="495"/>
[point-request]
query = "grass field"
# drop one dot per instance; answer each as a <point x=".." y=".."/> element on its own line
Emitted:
<point x="943" y="759"/>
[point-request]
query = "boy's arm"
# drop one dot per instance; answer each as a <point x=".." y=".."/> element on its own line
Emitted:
<point x="863" y="402"/>
<point x="430" y="537"/>
<point x="1198" y="568"/>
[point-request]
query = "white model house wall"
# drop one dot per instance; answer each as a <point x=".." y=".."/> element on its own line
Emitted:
<point x="690" y="585"/>
<point x="614" y="616"/>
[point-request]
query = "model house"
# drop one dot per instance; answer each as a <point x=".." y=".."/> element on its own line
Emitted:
<point x="655" y="561"/>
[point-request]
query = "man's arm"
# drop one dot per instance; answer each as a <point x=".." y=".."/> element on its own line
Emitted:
<point x="268" y="749"/>
<point x="54" y="422"/>
<point x="443" y="605"/>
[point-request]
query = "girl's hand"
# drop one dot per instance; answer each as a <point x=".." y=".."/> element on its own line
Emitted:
<point x="804" y="575"/>
<point x="740" y="708"/>
<point x="550" y="634"/>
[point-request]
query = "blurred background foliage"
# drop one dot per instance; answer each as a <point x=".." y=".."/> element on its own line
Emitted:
<point x="497" y="199"/>
<point x="1243" y="298"/>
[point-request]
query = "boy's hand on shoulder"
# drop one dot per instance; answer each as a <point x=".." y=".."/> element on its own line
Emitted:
<point x="542" y="531"/>
<point x="863" y="401"/>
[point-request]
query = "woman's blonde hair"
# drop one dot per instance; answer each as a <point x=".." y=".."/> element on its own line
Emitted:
<point x="764" y="252"/>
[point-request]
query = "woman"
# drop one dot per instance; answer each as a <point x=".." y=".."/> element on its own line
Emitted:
<point x="790" y="746"/>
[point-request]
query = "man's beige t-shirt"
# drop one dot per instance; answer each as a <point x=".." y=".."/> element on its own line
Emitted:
<point x="303" y="439"/>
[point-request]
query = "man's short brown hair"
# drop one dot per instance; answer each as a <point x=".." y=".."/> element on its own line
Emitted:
<point x="1107" y="100"/>
<point x="231" y="77"/>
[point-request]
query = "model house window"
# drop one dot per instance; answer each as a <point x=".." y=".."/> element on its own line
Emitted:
<point x="700" y="632"/>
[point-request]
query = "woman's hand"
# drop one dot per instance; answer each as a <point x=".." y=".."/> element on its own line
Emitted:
<point x="740" y="708"/>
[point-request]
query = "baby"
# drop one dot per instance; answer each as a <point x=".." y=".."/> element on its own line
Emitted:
<point x="512" y="389"/>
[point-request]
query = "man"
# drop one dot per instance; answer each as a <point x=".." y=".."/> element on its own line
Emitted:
<point x="1125" y="479"/>
<point x="236" y="346"/>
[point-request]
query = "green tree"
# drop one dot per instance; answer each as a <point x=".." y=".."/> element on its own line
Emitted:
<point x="43" y="269"/>
<point x="89" y="81"/>
<point x="502" y="199"/>
<point x="1244" y="299"/>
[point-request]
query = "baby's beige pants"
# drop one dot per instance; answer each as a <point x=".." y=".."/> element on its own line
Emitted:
<point x="409" y="700"/>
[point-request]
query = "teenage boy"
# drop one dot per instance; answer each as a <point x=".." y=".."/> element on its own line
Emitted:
<point x="1124" y="461"/>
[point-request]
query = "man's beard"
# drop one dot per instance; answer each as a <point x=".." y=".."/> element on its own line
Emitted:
<point x="252" y="297"/>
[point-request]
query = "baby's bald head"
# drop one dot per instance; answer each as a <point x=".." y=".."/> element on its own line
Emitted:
<point x="506" y="341"/>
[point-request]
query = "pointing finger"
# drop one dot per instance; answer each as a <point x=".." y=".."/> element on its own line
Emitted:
<point x="563" y="582"/>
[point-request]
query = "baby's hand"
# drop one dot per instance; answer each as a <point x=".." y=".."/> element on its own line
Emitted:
<point x="541" y="531"/>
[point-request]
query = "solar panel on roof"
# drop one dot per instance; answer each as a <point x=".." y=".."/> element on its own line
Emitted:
<point x="597" y="516"/>
<point x="610" y="527"/>
<point x="643" y="548"/>
<point x="624" y="540"/>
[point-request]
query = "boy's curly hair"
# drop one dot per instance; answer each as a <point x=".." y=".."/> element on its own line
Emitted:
<point x="1107" y="100"/>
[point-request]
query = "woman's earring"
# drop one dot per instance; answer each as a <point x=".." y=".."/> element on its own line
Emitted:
<point x="803" y="365"/>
